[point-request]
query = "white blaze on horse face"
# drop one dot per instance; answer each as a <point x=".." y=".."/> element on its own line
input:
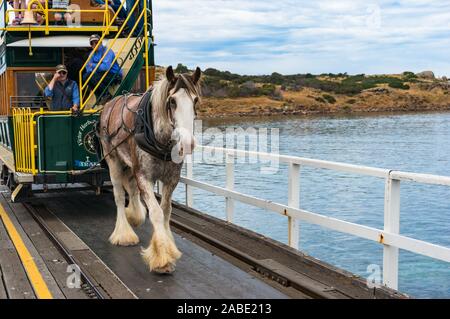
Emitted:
<point x="184" y="116"/>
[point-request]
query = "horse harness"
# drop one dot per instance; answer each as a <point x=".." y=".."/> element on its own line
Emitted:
<point x="143" y="130"/>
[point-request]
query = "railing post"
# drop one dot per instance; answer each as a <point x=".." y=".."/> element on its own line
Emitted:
<point x="391" y="225"/>
<point x="229" y="186"/>
<point x="159" y="187"/>
<point x="189" y="175"/>
<point x="294" y="201"/>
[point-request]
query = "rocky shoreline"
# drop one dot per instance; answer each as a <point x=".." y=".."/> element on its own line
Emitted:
<point x="274" y="113"/>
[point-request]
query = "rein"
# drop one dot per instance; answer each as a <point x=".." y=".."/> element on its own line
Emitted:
<point x="143" y="130"/>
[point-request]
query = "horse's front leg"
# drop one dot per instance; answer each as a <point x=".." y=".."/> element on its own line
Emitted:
<point x="166" y="205"/>
<point x="162" y="253"/>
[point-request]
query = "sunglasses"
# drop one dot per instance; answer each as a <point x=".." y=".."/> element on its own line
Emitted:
<point x="94" y="43"/>
<point x="62" y="72"/>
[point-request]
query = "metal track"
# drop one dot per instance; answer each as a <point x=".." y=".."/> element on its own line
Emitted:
<point x="259" y="266"/>
<point x="87" y="285"/>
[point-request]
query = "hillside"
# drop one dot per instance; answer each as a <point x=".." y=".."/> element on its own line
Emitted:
<point x="227" y="94"/>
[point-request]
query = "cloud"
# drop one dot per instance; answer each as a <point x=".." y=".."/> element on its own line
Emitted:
<point x="298" y="36"/>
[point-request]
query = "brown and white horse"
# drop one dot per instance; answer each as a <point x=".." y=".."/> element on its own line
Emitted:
<point x="135" y="171"/>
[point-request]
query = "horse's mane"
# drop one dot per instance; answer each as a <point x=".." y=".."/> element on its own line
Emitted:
<point x="161" y="91"/>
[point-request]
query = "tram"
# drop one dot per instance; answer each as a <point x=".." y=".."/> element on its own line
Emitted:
<point x="39" y="146"/>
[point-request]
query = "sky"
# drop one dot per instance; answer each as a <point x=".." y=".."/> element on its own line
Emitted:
<point x="304" y="36"/>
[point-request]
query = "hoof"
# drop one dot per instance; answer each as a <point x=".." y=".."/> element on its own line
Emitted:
<point x="167" y="270"/>
<point x="127" y="239"/>
<point x="161" y="260"/>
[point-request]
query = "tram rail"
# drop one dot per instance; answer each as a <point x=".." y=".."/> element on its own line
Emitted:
<point x="88" y="286"/>
<point x="226" y="259"/>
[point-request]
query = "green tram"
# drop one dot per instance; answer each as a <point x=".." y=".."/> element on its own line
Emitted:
<point x="40" y="147"/>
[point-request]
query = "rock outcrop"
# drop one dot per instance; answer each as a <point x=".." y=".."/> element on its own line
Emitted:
<point x="428" y="75"/>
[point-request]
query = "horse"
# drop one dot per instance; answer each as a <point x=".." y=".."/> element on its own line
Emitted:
<point x="135" y="171"/>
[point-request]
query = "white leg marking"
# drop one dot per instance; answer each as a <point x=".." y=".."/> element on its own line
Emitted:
<point x="123" y="234"/>
<point x="162" y="253"/>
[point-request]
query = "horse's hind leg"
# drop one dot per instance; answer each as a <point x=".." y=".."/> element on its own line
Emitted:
<point x="162" y="253"/>
<point x="123" y="234"/>
<point x="135" y="211"/>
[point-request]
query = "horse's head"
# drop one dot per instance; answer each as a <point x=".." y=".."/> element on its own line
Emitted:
<point x="184" y="95"/>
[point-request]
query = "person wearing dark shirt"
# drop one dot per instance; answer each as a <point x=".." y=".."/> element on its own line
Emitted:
<point x="64" y="92"/>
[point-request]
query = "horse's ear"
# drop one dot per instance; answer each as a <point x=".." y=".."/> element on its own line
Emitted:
<point x="170" y="75"/>
<point x="196" y="76"/>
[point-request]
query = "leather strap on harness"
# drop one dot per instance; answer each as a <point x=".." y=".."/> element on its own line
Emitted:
<point x="144" y="133"/>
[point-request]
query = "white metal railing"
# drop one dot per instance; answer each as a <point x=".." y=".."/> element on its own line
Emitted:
<point x="389" y="237"/>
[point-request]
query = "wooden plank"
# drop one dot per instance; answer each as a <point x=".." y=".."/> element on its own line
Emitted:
<point x="102" y="275"/>
<point x="7" y="157"/>
<point x="42" y="267"/>
<point x="14" y="277"/>
<point x="199" y="274"/>
<point x="85" y="258"/>
<point x="52" y="257"/>
<point x="3" y="294"/>
<point x="263" y="248"/>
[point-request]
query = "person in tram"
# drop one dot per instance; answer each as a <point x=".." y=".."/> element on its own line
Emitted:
<point x="108" y="66"/>
<point x="59" y="17"/>
<point x="63" y="91"/>
<point x="135" y="15"/>
<point x="17" y="5"/>
<point x="63" y="16"/>
<point x="114" y="5"/>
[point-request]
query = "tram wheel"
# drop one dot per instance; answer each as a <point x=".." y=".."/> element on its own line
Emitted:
<point x="4" y="175"/>
<point x="10" y="181"/>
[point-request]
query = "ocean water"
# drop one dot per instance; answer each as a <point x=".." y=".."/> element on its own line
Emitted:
<point x="409" y="142"/>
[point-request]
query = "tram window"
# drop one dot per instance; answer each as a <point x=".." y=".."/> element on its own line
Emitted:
<point x="32" y="84"/>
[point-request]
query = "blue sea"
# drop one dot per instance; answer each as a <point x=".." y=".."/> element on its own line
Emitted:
<point x="417" y="142"/>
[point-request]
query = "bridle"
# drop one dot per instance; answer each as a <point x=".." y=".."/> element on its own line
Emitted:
<point x="182" y="82"/>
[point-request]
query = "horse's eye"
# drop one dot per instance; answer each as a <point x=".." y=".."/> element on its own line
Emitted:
<point x="172" y="103"/>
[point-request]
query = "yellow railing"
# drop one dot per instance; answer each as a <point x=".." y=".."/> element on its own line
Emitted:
<point x="24" y="141"/>
<point x="45" y="10"/>
<point x="25" y="144"/>
<point x="142" y="16"/>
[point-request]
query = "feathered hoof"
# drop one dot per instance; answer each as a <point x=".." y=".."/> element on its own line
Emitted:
<point x="161" y="258"/>
<point x="167" y="270"/>
<point x="128" y="238"/>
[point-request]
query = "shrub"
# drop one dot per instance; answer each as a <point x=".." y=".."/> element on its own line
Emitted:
<point x="181" y="68"/>
<point x="320" y="99"/>
<point x="409" y="76"/>
<point x="399" y="85"/>
<point x="329" y="98"/>
<point x="347" y="108"/>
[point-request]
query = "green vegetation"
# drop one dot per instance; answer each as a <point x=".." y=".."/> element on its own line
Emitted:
<point x="347" y="108"/>
<point x="218" y="83"/>
<point x="320" y="99"/>
<point x="329" y="98"/>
